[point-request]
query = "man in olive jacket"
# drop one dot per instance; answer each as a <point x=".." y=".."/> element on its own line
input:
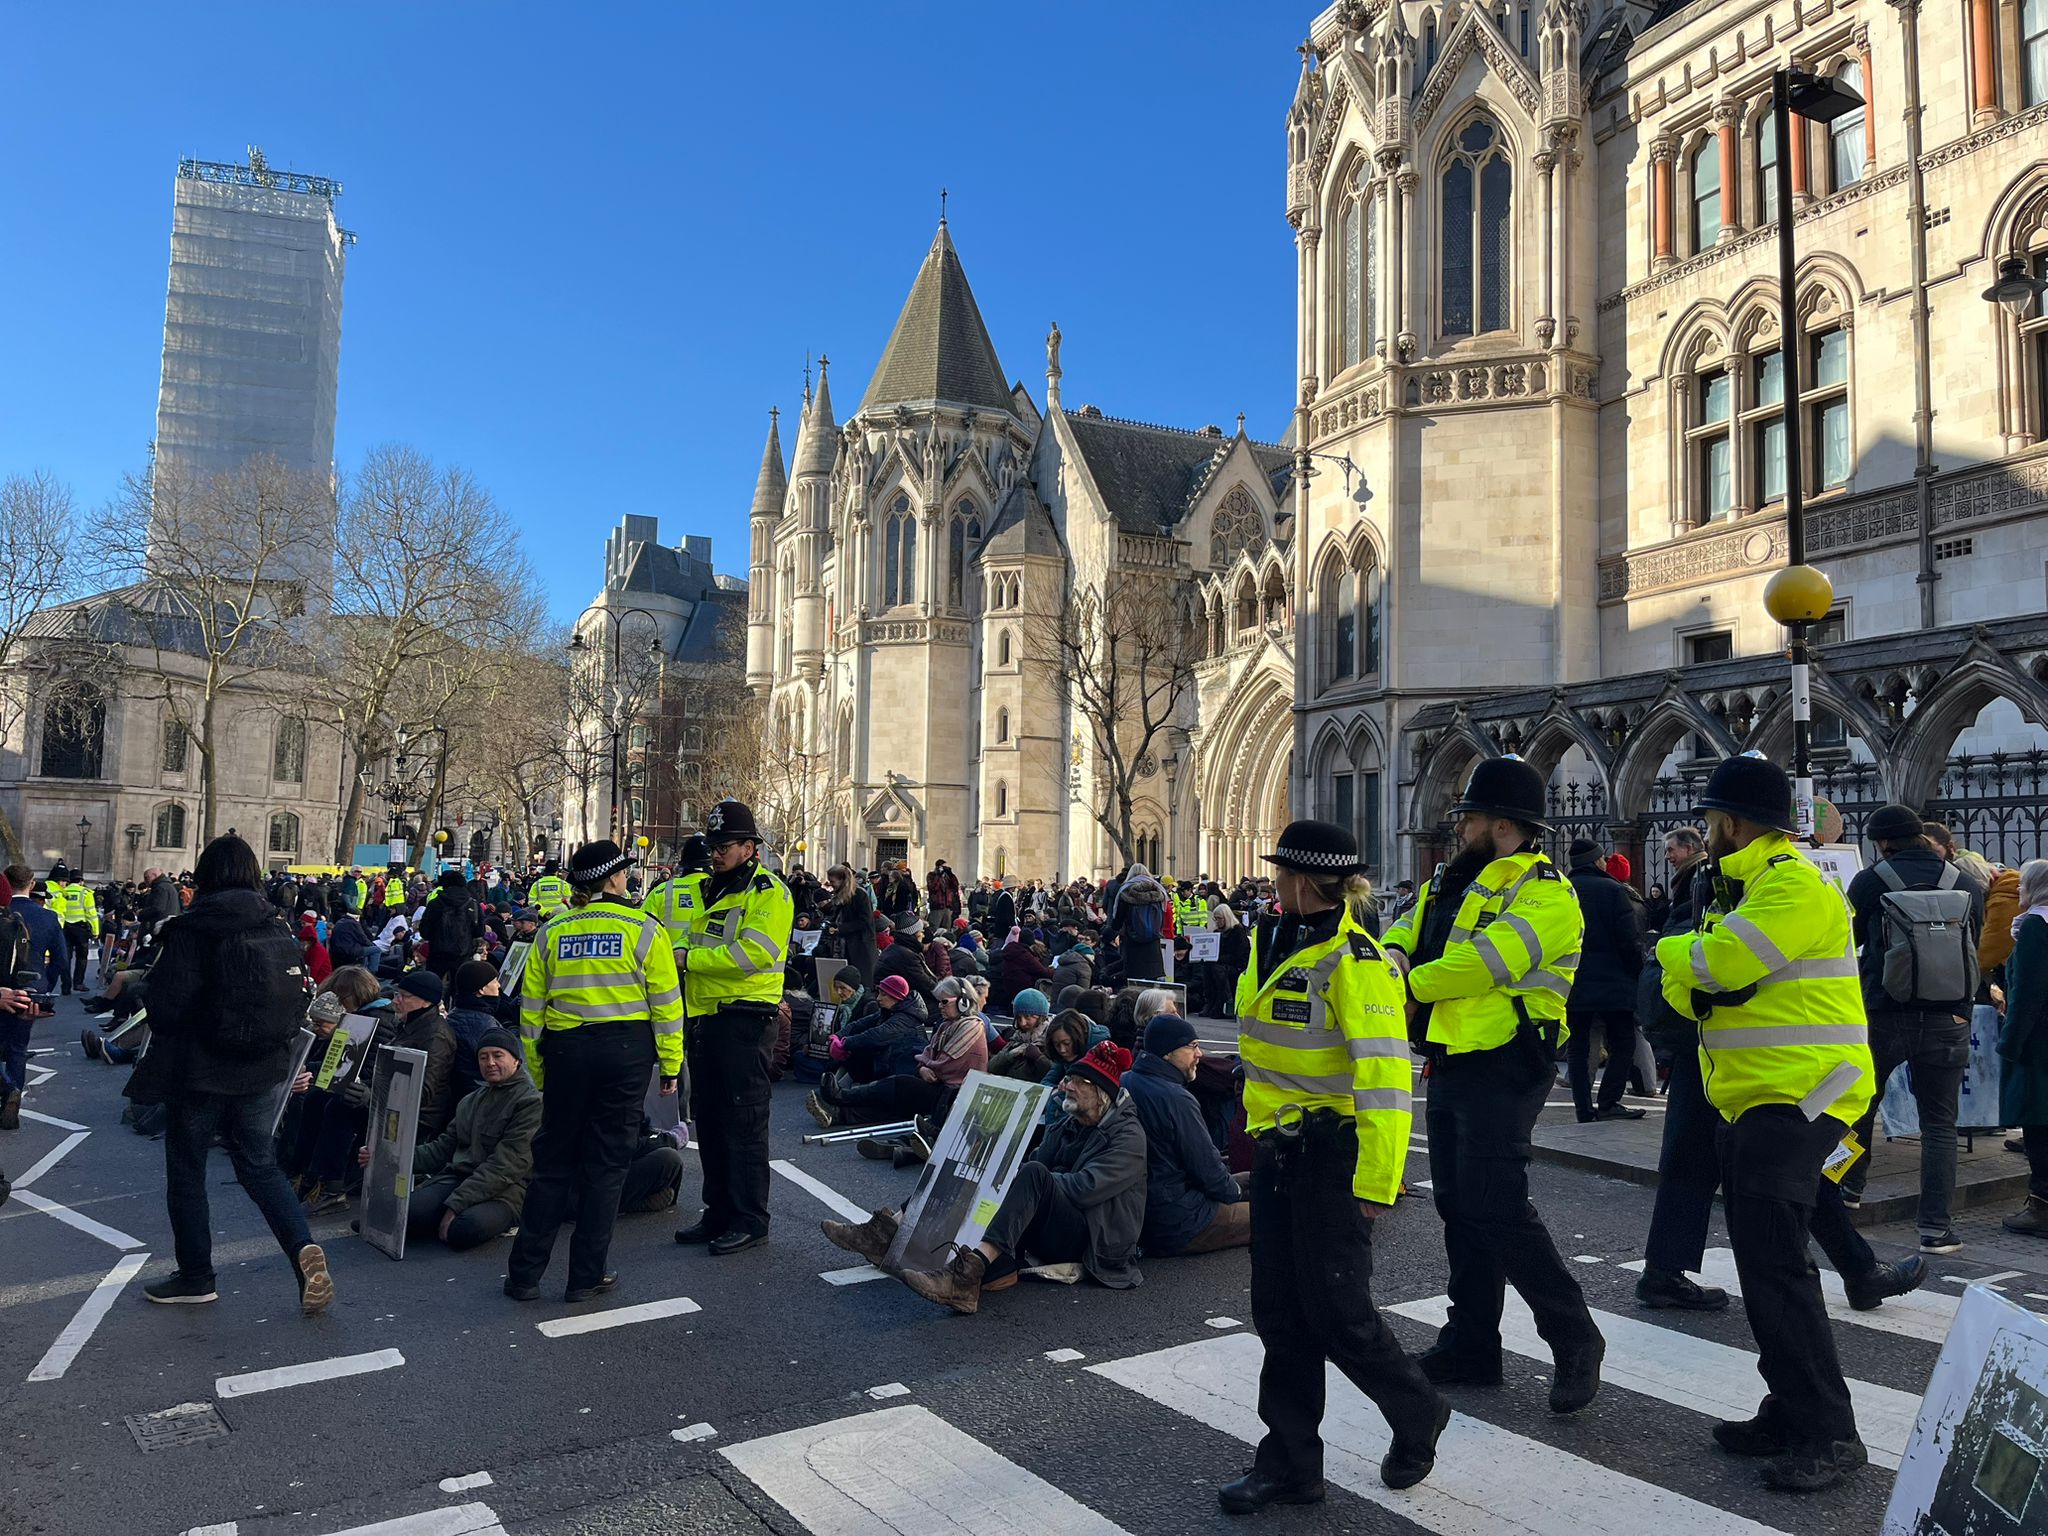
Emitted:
<point x="475" y="1171"/>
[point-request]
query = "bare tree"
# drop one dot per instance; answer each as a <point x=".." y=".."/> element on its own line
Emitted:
<point x="431" y="589"/>
<point x="1124" y="651"/>
<point x="232" y="560"/>
<point x="515" y="764"/>
<point x="38" y="530"/>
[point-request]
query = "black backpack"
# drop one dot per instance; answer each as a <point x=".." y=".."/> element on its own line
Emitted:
<point x="261" y="988"/>
<point x="15" y="967"/>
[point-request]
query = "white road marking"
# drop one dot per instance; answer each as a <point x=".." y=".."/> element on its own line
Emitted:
<point x="57" y="1360"/>
<point x="42" y="1076"/>
<point x="1488" y="1481"/>
<point x="1224" y="1322"/>
<point x="1921" y="1314"/>
<point x="1689" y="1372"/>
<point x="823" y="1192"/>
<point x="50" y="1159"/>
<point x="859" y="1274"/>
<point x="2003" y="1274"/>
<point x="464" y="1484"/>
<point x="905" y="1469"/>
<point x="1064" y="1356"/>
<point x="690" y="1432"/>
<point x="251" y="1382"/>
<point x="43" y="1119"/>
<point x="456" y="1520"/>
<point x="617" y="1317"/>
<point x="230" y="1528"/>
<point x="1587" y="1258"/>
<point x="889" y="1389"/>
<point x="113" y="1237"/>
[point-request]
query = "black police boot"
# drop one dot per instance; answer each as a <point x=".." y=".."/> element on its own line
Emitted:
<point x="1577" y="1375"/>
<point x="1448" y="1368"/>
<point x="1810" y="1469"/>
<point x="1406" y="1463"/>
<point x="1868" y="1291"/>
<point x="1668" y="1288"/>
<point x="699" y="1231"/>
<point x="1255" y="1490"/>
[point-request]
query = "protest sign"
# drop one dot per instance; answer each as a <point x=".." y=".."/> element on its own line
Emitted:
<point x="346" y="1049"/>
<point x="1205" y="944"/>
<point x="1840" y="862"/>
<point x="400" y="1074"/>
<point x="302" y="1047"/>
<point x="1978" y="1459"/>
<point x="818" y="1043"/>
<point x="806" y="939"/>
<point x="975" y="1157"/>
<point x="513" y="968"/>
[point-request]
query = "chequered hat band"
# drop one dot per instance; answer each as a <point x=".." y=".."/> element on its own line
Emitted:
<point x="1312" y="856"/>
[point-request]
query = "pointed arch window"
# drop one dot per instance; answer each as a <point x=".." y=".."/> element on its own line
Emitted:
<point x="288" y="764"/>
<point x="2033" y="52"/>
<point x="1477" y="186"/>
<point x="1358" y="285"/>
<point x="899" y="555"/>
<point x="1002" y="798"/>
<point x="1003" y="649"/>
<point x="1845" y="133"/>
<point x="1349" y="601"/>
<point x="966" y="529"/>
<point x="1002" y="725"/>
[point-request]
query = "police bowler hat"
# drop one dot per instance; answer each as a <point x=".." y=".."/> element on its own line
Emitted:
<point x="1753" y="788"/>
<point x="730" y="822"/>
<point x="1509" y="787"/>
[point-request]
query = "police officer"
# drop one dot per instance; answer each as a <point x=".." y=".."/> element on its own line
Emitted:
<point x="1784" y="1051"/>
<point x="550" y="893"/>
<point x="732" y="980"/>
<point x="57" y="898"/>
<point x="600" y="1003"/>
<point x="81" y="927"/>
<point x="679" y="900"/>
<point x="1324" y="1044"/>
<point x="1492" y="944"/>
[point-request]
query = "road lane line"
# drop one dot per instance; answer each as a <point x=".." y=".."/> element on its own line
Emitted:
<point x="824" y="1193"/>
<point x="113" y="1237"/>
<point x="1488" y="1481"/>
<point x="251" y="1382"/>
<point x="860" y="1274"/>
<point x="50" y="1159"/>
<point x="456" y="1520"/>
<point x="690" y="1432"/>
<point x="57" y="1360"/>
<point x="1921" y="1314"/>
<point x="905" y="1469"/>
<point x="62" y="1125"/>
<point x="617" y="1317"/>
<point x="464" y="1484"/>
<point x="1690" y="1372"/>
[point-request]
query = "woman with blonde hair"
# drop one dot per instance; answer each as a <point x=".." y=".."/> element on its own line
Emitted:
<point x="850" y="921"/>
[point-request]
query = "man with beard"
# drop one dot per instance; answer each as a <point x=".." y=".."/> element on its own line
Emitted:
<point x="1491" y="946"/>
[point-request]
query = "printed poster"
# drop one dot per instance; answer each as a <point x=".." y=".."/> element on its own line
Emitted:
<point x="401" y="1072"/>
<point x="1204" y="944"/>
<point x="976" y="1155"/>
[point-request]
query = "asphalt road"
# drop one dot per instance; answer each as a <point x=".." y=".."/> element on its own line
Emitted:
<point x="787" y="1403"/>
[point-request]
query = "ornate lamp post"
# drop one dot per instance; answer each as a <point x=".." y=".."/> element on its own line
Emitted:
<point x="84" y="831"/>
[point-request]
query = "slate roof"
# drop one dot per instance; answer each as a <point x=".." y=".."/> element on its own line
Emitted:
<point x="149" y="613"/>
<point x="1150" y="475"/>
<point x="1020" y="525"/>
<point x="664" y="571"/>
<point x="940" y="349"/>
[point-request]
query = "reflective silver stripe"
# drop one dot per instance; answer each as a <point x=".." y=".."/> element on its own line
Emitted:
<point x="1761" y="1036"/>
<point x="1496" y="964"/>
<point x="599" y="1013"/>
<point x="765" y="941"/>
<point x="745" y="962"/>
<point x="1292" y="1037"/>
<point x="1701" y="971"/>
<point x="661" y="999"/>
<point x="1319" y="988"/>
<point x="1759" y="943"/>
<point x="585" y="979"/>
<point x="1381" y="1098"/>
<point x="1378" y="1045"/>
<point x="673" y="1027"/>
<point x="1457" y="935"/>
<point x="645" y="947"/>
<point x="1336" y="1085"/>
<point x="1526" y="931"/>
<point x="1841" y="968"/>
<point x="1845" y="1076"/>
<point x="1545" y="981"/>
<point x="528" y="1031"/>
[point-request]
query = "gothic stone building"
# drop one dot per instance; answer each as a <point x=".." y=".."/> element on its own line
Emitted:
<point x="1539" y="311"/>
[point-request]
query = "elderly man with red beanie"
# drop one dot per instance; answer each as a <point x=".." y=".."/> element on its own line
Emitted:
<point x="1079" y="1199"/>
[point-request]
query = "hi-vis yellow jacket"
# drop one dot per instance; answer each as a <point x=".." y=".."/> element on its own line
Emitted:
<point x="679" y="903"/>
<point x="738" y="944"/>
<point x="596" y="964"/>
<point x="1328" y="1030"/>
<point x="1801" y="1036"/>
<point x="549" y="894"/>
<point x="1516" y="937"/>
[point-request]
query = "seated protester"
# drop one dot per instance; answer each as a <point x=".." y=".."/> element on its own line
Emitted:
<point x="421" y="1026"/>
<point x="351" y="989"/>
<point x="966" y="962"/>
<point x="794" y="1015"/>
<point x="959" y="1045"/>
<point x="479" y="1007"/>
<point x="849" y="995"/>
<point x="1020" y="965"/>
<point x="1076" y="964"/>
<point x="1067" y="1039"/>
<point x="1030" y="1010"/>
<point x="1192" y="1204"/>
<point x="474" y="1172"/>
<point x="1078" y="1199"/>
<point x="907" y="960"/>
<point x="348" y="941"/>
<point x="1124" y="1026"/>
<point x="938" y="957"/>
<point x="884" y="1042"/>
<point x="655" y="1176"/>
<point x="1152" y="1002"/>
<point x="1023" y="1056"/>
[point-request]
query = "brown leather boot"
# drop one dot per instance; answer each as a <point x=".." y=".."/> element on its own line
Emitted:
<point x="871" y="1239"/>
<point x="958" y="1285"/>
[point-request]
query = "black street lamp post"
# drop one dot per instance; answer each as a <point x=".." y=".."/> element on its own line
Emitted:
<point x="580" y="647"/>
<point x="84" y="831"/>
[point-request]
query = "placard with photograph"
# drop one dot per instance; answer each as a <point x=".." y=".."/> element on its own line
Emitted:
<point x="977" y="1153"/>
<point x="399" y="1074"/>
<point x="347" y="1048"/>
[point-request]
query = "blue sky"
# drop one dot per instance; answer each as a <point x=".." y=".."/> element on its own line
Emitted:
<point x="598" y="239"/>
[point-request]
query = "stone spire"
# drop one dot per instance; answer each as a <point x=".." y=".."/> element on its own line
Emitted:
<point x="817" y="438"/>
<point x="769" y="489"/>
<point x="772" y="484"/>
<point x="940" y="349"/>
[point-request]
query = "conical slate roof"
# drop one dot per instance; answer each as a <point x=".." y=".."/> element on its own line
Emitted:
<point x="817" y="439"/>
<point x="772" y="486"/>
<point x="940" y="349"/>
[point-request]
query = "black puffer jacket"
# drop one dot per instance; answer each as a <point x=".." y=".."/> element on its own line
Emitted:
<point x="183" y="1059"/>
<point x="1611" y="958"/>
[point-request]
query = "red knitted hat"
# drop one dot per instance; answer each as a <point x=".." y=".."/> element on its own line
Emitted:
<point x="1104" y="1066"/>
<point x="1619" y="866"/>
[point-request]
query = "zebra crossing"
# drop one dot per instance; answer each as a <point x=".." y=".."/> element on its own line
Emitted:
<point x="906" y="1463"/>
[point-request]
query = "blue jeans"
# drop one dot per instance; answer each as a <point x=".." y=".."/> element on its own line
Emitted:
<point x="243" y="1124"/>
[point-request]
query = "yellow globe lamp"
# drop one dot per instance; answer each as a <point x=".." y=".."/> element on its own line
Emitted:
<point x="440" y="837"/>
<point x="640" y="842"/>
<point x="800" y="846"/>
<point x="1799" y="594"/>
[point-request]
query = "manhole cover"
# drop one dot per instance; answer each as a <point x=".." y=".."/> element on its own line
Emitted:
<point x="181" y="1425"/>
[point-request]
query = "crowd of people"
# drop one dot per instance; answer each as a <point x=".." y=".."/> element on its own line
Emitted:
<point x="551" y="1009"/>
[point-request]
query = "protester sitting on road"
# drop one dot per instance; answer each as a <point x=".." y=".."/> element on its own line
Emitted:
<point x="217" y="1060"/>
<point x="884" y="1041"/>
<point x="1020" y="965"/>
<point x="421" y="1026"/>
<point x="1078" y="1199"/>
<point x="1030" y="1012"/>
<point x="849" y="995"/>
<point x="958" y="1046"/>
<point x="905" y="959"/>
<point x="348" y="941"/>
<point x="1068" y="1038"/>
<point x="1076" y="964"/>
<point x="479" y="1007"/>
<point x="475" y="1170"/>
<point x="1192" y="1203"/>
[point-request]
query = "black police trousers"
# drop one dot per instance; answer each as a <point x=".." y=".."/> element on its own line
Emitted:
<point x="594" y="1083"/>
<point x="1771" y="1158"/>
<point x="1482" y="1108"/>
<point x="729" y="1054"/>
<point x="1312" y="1301"/>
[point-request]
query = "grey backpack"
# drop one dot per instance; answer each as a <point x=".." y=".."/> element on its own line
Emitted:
<point x="1930" y="953"/>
